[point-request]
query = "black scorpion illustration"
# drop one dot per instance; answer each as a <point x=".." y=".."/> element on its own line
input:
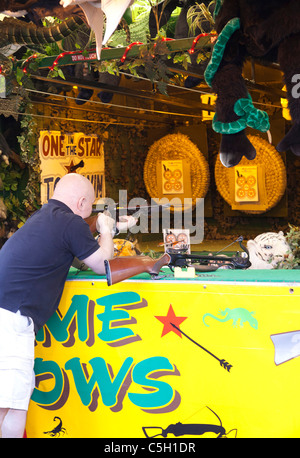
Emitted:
<point x="58" y="430"/>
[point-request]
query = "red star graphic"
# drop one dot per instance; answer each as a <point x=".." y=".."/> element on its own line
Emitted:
<point x="69" y="167"/>
<point x="171" y="318"/>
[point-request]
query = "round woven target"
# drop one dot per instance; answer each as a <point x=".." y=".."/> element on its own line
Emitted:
<point x="172" y="147"/>
<point x="275" y="173"/>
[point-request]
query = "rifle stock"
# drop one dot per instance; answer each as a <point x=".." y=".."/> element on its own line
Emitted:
<point x="91" y="220"/>
<point x="124" y="267"/>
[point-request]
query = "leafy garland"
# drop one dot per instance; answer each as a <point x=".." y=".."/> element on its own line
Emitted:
<point x="19" y="191"/>
<point x="152" y="62"/>
<point x="29" y="154"/>
<point x="26" y="197"/>
<point x="9" y="203"/>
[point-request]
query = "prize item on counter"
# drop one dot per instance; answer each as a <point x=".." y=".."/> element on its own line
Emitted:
<point x="177" y="239"/>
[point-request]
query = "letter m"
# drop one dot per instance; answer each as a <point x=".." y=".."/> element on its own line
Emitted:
<point x="80" y="316"/>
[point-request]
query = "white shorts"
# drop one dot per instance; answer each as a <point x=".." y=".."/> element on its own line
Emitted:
<point x="16" y="360"/>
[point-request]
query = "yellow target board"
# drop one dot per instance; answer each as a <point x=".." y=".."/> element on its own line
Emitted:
<point x="169" y="359"/>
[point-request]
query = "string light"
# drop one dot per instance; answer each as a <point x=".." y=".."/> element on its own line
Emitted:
<point x="136" y="43"/>
<point x="67" y="53"/>
<point x="60" y="56"/>
<point x="26" y="62"/>
<point x="195" y="41"/>
<point x="123" y="58"/>
<point x="164" y="39"/>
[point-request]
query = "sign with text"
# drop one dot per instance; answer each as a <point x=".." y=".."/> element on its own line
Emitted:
<point x="62" y="153"/>
<point x="168" y="359"/>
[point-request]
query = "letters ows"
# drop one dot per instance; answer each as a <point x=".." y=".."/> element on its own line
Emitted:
<point x="97" y="376"/>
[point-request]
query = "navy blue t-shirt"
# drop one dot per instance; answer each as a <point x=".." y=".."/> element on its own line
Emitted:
<point x="35" y="261"/>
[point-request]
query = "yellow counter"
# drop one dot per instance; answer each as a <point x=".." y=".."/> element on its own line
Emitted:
<point x="215" y="356"/>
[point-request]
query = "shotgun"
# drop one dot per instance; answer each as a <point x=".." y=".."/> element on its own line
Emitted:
<point x="124" y="267"/>
<point x="91" y="220"/>
<point x="117" y="211"/>
<point x="121" y="268"/>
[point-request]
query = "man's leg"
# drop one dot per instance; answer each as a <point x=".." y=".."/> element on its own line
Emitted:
<point x="16" y="371"/>
<point x="14" y="422"/>
<point x="3" y="412"/>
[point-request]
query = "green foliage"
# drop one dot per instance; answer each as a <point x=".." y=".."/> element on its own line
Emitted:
<point x="11" y="175"/>
<point x="56" y="72"/>
<point x="28" y="141"/>
<point x="153" y="62"/>
<point x="109" y="66"/>
<point x="154" y="57"/>
<point x="203" y="57"/>
<point x="183" y="59"/>
<point x="293" y="239"/>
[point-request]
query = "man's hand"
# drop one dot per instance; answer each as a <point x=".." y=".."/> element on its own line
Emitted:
<point x="66" y="3"/>
<point x="104" y="223"/>
<point x="126" y="222"/>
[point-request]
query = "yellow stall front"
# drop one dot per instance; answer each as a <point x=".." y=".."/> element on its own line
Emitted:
<point x="214" y="356"/>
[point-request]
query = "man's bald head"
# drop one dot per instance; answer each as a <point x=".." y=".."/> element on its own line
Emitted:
<point x="76" y="192"/>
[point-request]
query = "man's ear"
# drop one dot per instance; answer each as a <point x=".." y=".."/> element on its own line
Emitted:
<point x="81" y="203"/>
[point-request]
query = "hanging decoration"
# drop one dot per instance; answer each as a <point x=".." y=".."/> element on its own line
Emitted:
<point x="252" y="29"/>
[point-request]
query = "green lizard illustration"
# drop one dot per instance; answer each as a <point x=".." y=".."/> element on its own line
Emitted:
<point x="235" y="314"/>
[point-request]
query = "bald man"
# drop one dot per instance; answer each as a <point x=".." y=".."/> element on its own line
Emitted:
<point x="34" y="264"/>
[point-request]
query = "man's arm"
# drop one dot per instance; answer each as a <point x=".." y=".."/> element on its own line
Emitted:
<point x="105" y="251"/>
<point x="96" y="260"/>
<point x="105" y="226"/>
